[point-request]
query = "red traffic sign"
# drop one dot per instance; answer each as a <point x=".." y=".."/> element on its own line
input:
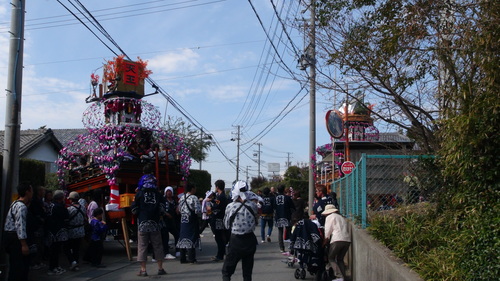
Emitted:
<point x="347" y="167"/>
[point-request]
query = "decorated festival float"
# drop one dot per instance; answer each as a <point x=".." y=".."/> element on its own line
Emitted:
<point x="123" y="135"/>
<point x="350" y="127"/>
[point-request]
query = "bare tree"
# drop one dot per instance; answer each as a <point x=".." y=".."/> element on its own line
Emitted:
<point x="386" y="50"/>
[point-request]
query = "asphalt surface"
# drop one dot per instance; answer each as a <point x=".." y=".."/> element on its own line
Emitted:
<point x="269" y="264"/>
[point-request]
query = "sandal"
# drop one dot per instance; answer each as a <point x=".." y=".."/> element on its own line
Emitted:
<point x="142" y="273"/>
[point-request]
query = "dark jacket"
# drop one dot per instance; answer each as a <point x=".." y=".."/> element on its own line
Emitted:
<point x="149" y="206"/>
<point x="268" y="206"/>
<point x="300" y="205"/>
<point x="306" y="236"/>
<point x="319" y="207"/>
<point x="284" y="210"/>
<point x="219" y="206"/>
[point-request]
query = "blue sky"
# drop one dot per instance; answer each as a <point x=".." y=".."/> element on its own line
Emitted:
<point x="211" y="56"/>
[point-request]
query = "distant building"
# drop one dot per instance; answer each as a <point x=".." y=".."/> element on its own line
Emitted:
<point x="39" y="144"/>
<point x="66" y="135"/>
<point x="387" y="144"/>
<point x="362" y="136"/>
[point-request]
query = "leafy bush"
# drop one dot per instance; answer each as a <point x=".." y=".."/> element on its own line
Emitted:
<point x="439" y="245"/>
<point x="202" y="180"/>
<point x="29" y="171"/>
<point x="32" y="171"/>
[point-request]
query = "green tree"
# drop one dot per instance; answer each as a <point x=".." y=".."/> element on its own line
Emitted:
<point x="470" y="152"/>
<point x="433" y="68"/>
<point x="298" y="178"/>
<point x="386" y="51"/>
<point x="200" y="179"/>
<point x="257" y="182"/>
<point x="199" y="143"/>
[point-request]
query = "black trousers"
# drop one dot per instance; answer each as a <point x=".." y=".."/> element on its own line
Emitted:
<point x="55" y="251"/>
<point x="19" y="264"/>
<point x="171" y="228"/>
<point x="94" y="252"/>
<point x="221" y="240"/>
<point x="72" y="250"/>
<point x="188" y="255"/>
<point x="241" y="247"/>
<point x="282" y="232"/>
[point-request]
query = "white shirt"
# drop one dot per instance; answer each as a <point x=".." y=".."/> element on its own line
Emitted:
<point x="16" y="219"/>
<point x="336" y="228"/>
<point x="244" y="220"/>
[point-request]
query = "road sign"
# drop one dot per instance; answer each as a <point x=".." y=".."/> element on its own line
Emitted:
<point x="273" y="167"/>
<point x="347" y="167"/>
<point x="334" y="124"/>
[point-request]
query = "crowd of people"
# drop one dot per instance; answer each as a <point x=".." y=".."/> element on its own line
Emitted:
<point x="43" y="224"/>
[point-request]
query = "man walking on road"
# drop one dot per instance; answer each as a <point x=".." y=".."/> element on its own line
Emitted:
<point x="217" y="222"/>
<point x="284" y="209"/>
<point x="240" y="217"/>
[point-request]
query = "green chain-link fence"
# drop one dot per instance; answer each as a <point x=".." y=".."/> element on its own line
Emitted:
<point x="383" y="182"/>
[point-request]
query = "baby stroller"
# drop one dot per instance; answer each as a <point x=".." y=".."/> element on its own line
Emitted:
<point x="306" y="246"/>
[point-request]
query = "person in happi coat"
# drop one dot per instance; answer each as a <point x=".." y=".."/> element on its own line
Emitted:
<point x="190" y="210"/>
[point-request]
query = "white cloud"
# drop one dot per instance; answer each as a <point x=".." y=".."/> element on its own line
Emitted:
<point x="53" y="102"/>
<point x="227" y="93"/>
<point x="176" y="62"/>
<point x="243" y="58"/>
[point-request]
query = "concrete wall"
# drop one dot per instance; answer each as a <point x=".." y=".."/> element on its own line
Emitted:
<point x="369" y="260"/>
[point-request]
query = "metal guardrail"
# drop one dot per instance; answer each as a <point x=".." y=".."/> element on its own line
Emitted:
<point x="383" y="182"/>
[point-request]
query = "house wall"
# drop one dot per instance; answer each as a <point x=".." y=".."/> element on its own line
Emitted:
<point x="45" y="153"/>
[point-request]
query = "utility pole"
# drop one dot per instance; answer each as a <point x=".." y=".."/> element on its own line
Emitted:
<point x="204" y="137"/>
<point x="201" y="143"/>
<point x="258" y="159"/>
<point x="10" y="171"/>
<point x="288" y="164"/>
<point x="247" y="173"/>
<point x="237" y="152"/>
<point x="308" y="59"/>
<point x="312" y="102"/>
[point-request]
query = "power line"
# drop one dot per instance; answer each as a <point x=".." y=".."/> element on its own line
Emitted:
<point x="271" y="125"/>
<point x="276" y="54"/>
<point x="89" y="18"/>
<point x="174" y="103"/>
<point x="113" y="15"/>
<point x="270" y="40"/>
<point x="100" y="10"/>
<point x="262" y="79"/>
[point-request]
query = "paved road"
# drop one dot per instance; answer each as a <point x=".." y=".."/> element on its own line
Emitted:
<point x="269" y="265"/>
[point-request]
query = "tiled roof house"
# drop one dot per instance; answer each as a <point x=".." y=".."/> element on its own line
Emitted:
<point x="44" y="144"/>
<point x="39" y="144"/>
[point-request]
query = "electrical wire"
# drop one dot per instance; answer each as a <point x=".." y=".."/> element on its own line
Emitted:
<point x="277" y="56"/>
<point x="60" y="23"/>
<point x="169" y="99"/>
<point x="281" y="62"/>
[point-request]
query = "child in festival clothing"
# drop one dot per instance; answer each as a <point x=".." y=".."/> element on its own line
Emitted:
<point x="98" y="232"/>
<point x="206" y="209"/>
